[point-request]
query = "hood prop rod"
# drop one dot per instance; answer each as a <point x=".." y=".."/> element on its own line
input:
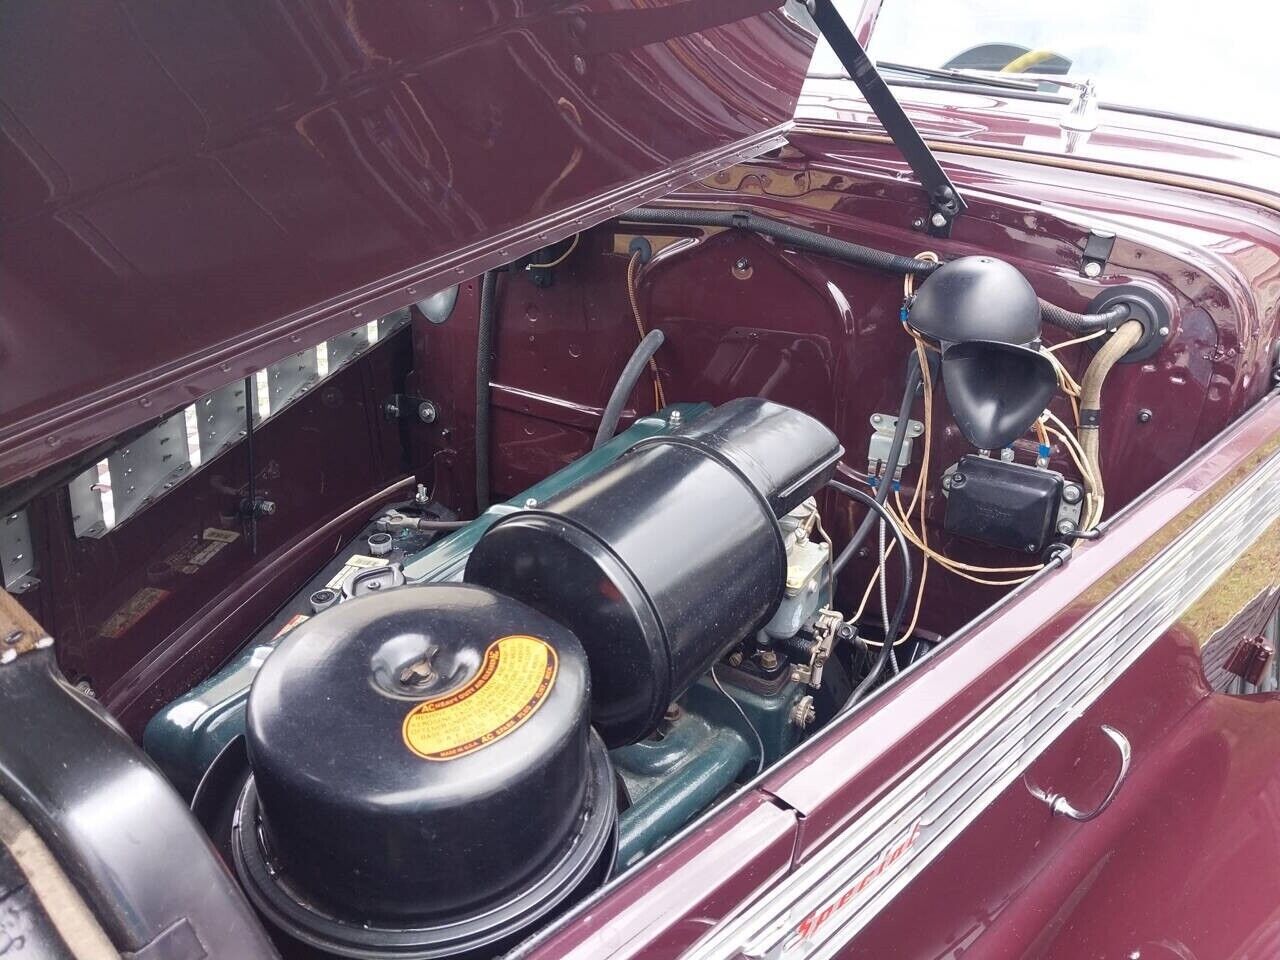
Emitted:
<point x="945" y="202"/>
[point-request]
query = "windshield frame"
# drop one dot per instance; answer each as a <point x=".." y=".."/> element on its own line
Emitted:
<point x="861" y="15"/>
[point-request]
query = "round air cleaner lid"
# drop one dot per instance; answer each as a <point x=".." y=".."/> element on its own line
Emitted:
<point x="424" y="779"/>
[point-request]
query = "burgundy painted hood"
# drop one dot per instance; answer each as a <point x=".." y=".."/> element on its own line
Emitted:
<point x="189" y="192"/>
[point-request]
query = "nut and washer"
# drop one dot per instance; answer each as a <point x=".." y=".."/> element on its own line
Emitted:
<point x="803" y="712"/>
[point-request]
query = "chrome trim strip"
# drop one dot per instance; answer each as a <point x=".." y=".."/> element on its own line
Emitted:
<point x="820" y="907"/>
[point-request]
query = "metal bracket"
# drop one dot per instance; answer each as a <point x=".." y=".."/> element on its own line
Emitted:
<point x="1097" y="251"/>
<point x="883" y="427"/>
<point x="826" y="630"/>
<point x="945" y="202"/>
<point x="404" y="405"/>
<point x="17" y="557"/>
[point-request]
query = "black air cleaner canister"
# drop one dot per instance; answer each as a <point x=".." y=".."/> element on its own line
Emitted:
<point x="424" y="779"/>
<point x="666" y="557"/>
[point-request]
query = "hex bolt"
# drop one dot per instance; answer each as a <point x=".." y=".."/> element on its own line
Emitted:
<point x="768" y="659"/>
<point x="735" y="658"/>
<point x="1072" y="493"/>
<point x="938" y="220"/>
<point x="675" y="417"/>
<point x="1145" y="415"/>
<point x="1066" y="527"/>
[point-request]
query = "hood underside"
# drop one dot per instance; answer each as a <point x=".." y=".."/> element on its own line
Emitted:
<point x="192" y="192"/>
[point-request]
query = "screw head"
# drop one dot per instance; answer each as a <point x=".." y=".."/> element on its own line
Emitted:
<point x="917" y="223"/>
<point x="958" y="480"/>
<point x="1066" y="527"/>
<point x="427" y="411"/>
<point x="675" y="417"/>
<point x="1072" y="493"/>
<point x="1145" y="415"/>
<point x="938" y="220"/>
<point x="1093" y="269"/>
<point x="530" y="503"/>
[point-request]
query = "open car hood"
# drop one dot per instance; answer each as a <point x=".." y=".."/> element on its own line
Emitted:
<point x="194" y="191"/>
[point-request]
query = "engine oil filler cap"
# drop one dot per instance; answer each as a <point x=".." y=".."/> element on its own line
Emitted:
<point x="424" y="779"/>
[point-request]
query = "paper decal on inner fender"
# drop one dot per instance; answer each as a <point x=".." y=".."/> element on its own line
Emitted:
<point x="514" y="679"/>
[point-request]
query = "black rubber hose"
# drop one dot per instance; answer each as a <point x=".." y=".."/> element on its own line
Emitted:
<point x="895" y="448"/>
<point x="484" y="364"/>
<point x="814" y="242"/>
<point x="796" y="237"/>
<point x="431" y="524"/>
<point x="1080" y="324"/>
<point x="640" y="358"/>
<point x="879" y="511"/>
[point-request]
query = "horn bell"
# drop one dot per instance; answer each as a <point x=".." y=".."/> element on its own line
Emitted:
<point x="996" y="390"/>
<point x="976" y="298"/>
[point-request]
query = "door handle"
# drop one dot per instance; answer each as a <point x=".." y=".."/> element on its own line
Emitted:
<point x="1061" y="806"/>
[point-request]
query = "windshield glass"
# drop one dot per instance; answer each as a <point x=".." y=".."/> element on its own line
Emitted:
<point x="1213" y="60"/>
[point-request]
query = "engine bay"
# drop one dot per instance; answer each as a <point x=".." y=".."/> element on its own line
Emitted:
<point x="727" y="477"/>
